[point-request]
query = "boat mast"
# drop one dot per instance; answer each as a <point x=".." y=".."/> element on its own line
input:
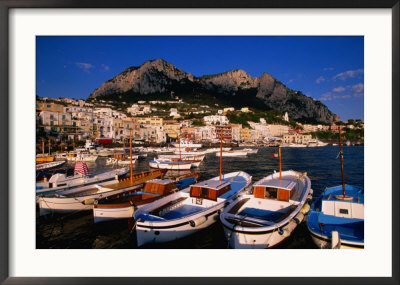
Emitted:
<point x="220" y="159"/>
<point x="341" y="162"/>
<point x="130" y="153"/>
<point x="280" y="162"/>
<point x="179" y="145"/>
<point x="43" y="148"/>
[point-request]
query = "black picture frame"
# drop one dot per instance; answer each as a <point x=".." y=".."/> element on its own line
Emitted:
<point x="5" y="7"/>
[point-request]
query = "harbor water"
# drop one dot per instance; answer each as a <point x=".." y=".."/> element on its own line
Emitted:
<point x="322" y="164"/>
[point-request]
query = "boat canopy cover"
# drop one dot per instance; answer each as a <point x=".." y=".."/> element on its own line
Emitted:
<point x="161" y="181"/>
<point x="276" y="183"/>
<point x="212" y="184"/>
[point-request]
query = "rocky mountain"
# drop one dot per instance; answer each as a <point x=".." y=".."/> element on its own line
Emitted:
<point x="235" y="88"/>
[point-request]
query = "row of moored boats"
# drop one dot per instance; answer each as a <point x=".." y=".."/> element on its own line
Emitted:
<point x="259" y="214"/>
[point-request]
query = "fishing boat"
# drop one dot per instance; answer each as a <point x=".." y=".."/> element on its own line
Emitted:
<point x="270" y="211"/>
<point x="232" y="153"/>
<point x="170" y="165"/>
<point x="83" y="198"/>
<point x="336" y="219"/>
<point x="81" y="177"/>
<point x="189" y="210"/>
<point x="186" y="144"/>
<point x="49" y="165"/>
<point x="122" y="206"/>
<point x="250" y="150"/>
<point x="44" y="158"/>
<point x="41" y="158"/>
<point x="80" y="156"/>
<point x="182" y="157"/>
<point x="268" y="214"/>
<point x="114" y="161"/>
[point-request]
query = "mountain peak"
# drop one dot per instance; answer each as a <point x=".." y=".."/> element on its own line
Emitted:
<point x="158" y="76"/>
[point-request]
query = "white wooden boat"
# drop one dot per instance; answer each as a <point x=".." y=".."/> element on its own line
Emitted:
<point x="216" y="149"/>
<point x="250" y="150"/>
<point x="114" y="161"/>
<point x="184" y="152"/>
<point x="195" y="163"/>
<point x="297" y="145"/>
<point x="171" y="165"/>
<point x="186" y="144"/>
<point x="87" y="157"/>
<point x="182" y="157"/>
<point x="232" y="153"/>
<point x="188" y="211"/>
<point x="122" y="206"/>
<point x="83" y="198"/>
<point x="268" y="215"/>
<point x="60" y="181"/>
<point x="49" y="165"/>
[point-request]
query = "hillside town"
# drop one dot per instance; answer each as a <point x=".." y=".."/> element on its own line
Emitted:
<point x="161" y="122"/>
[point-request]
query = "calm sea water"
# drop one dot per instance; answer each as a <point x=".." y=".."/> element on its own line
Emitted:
<point x="77" y="230"/>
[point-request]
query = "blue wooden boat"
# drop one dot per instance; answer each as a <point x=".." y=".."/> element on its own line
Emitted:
<point x="335" y="222"/>
<point x="336" y="219"/>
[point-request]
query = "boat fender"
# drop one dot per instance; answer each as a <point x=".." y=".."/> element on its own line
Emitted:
<point x="335" y="240"/>
<point x="305" y="209"/>
<point x="88" y="201"/>
<point x="299" y="218"/>
<point x="198" y="221"/>
<point x="284" y="232"/>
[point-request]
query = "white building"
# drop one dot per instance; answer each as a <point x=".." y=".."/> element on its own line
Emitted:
<point x="215" y="119"/>
<point x="286" y="117"/>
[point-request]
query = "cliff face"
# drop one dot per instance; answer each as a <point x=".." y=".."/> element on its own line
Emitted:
<point x="159" y="77"/>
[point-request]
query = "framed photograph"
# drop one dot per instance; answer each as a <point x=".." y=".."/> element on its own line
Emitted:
<point x="207" y="132"/>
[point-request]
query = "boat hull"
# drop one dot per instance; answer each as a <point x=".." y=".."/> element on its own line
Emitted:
<point x="267" y="228"/>
<point x="187" y="221"/>
<point x="148" y="234"/>
<point x="70" y="204"/>
<point x="170" y="166"/>
<point x="111" y="214"/>
<point x="268" y="237"/>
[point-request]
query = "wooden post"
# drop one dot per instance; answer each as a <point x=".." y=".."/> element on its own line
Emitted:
<point x="49" y="145"/>
<point x="220" y="159"/>
<point x="341" y="162"/>
<point x="280" y="163"/>
<point x="43" y="147"/>
<point x="130" y="152"/>
<point x="179" y="145"/>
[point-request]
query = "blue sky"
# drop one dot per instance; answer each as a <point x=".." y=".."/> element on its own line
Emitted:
<point x="330" y="69"/>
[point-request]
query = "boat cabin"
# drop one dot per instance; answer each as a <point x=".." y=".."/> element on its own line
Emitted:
<point x="281" y="190"/>
<point x="160" y="186"/>
<point x="352" y="209"/>
<point x="211" y="189"/>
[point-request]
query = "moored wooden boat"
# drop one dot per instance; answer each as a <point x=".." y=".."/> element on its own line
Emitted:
<point x="83" y="199"/>
<point x="123" y="205"/>
<point x="233" y="153"/>
<point x="170" y="165"/>
<point x="268" y="215"/>
<point x="336" y="219"/>
<point x="337" y="223"/>
<point x="188" y="211"/>
<point x="49" y="165"/>
<point x="81" y="177"/>
<point x="44" y="158"/>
